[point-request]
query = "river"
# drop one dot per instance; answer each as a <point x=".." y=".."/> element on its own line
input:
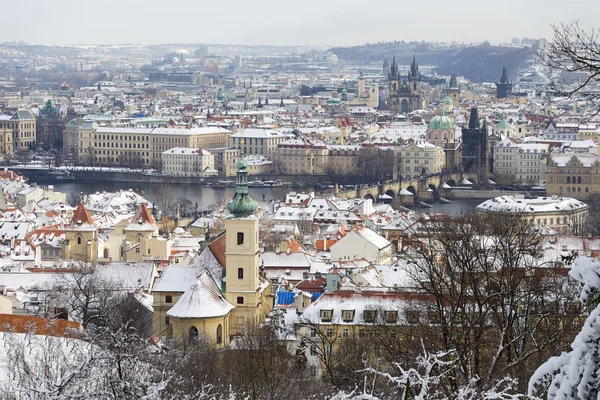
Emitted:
<point x="207" y="196"/>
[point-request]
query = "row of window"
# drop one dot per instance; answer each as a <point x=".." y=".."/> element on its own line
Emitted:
<point x="370" y="316"/>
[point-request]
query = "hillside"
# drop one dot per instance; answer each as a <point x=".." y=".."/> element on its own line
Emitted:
<point x="476" y="63"/>
<point x="484" y="63"/>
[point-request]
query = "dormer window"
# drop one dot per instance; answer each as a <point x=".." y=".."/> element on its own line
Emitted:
<point x="326" y="315"/>
<point x="348" y="315"/>
<point x="370" y="315"/>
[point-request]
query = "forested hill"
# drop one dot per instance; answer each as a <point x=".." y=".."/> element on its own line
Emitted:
<point x="477" y="63"/>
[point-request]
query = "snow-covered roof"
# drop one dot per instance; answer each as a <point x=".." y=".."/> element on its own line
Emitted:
<point x="202" y="300"/>
<point x="529" y="205"/>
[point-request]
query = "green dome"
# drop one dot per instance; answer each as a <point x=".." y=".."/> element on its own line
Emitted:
<point x="242" y="205"/>
<point x="503" y="124"/>
<point x="441" y="122"/>
<point x="447" y="100"/>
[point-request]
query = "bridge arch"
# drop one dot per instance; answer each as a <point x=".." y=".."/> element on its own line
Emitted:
<point x="451" y="182"/>
<point x="412" y="189"/>
<point x="391" y="193"/>
<point x="369" y="196"/>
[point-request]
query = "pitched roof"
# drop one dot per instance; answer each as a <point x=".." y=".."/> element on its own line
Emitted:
<point x="143" y="215"/>
<point x="217" y="247"/>
<point x="81" y="215"/>
<point x="40" y="326"/>
<point x="202" y="300"/>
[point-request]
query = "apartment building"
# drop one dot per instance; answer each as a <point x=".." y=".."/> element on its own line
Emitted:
<point x="142" y="147"/>
<point x="22" y="126"/>
<point x="573" y="175"/>
<point x="257" y="141"/>
<point x="420" y="158"/>
<point x="523" y="163"/>
<point x="182" y="161"/>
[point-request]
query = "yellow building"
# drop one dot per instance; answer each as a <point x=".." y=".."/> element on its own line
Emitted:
<point x="81" y="241"/>
<point x="257" y="141"/>
<point x="222" y="292"/>
<point x="142" y="147"/>
<point x="22" y="127"/>
<point x="573" y="175"/>
<point x="141" y="240"/>
<point x="421" y="158"/>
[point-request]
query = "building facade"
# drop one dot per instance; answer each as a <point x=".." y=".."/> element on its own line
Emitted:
<point x="142" y="147"/>
<point x="404" y="94"/>
<point x="257" y="141"/>
<point x="573" y="175"/>
<point x="182" y="161"/>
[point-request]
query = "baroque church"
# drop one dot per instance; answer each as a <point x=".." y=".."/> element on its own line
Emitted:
<point x="222" y="291"/>
<point x="404" y="92"/>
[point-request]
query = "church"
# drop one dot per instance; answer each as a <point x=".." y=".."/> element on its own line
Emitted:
<point x="404" y="93"/>
<point x="222" y="292"/>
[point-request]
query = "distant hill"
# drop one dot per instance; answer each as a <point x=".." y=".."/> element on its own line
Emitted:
<point x="484" y="63"/>
<point x="476" y="63"/>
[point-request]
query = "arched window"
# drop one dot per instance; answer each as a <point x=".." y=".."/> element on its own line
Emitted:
<point x="579" y="190"/>
<point x="578" y="179"/>
<point x="568" y="179"/>
<point x="193" y="335"/>
<point x="240" y="300"/>
<point x="78" y="239"/>
<point x="240" y="238"/>
<point x="568" y="189"/>
<point x="219" y="334"/>
<point x="240" y="273"/>
<point x="587" y="190"/>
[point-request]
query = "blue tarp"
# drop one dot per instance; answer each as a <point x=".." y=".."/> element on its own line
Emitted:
<point x="315" y="296"/>
<point x="285" y="298"/>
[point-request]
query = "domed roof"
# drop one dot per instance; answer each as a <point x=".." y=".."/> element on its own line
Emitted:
<point x="503" y="124"/>
<point x="447" y="100"/>
<point x="242" y="205"/>
<point x="440" y="122"/>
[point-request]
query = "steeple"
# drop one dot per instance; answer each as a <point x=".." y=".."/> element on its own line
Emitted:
<point x="474" y="119"/>
<point x="504" y="76"/>
<point x="242" y="205"/>
<point x="453" y="83"/>
<point x="414" y="68"/>
<point x="394" y="69"/>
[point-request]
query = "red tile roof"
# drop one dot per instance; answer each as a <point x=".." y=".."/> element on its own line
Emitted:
<point x="81" y="214"/>
<point x="217" y="247"/>
<point x="39" y="326"/>
<point x="144" y="215"/>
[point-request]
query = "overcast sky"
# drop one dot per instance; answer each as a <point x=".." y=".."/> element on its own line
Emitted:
<point x="281" y="22"/>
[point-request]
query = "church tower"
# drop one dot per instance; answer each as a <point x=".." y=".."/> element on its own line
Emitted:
<point x="504" y="87"/>
<point x="81" y="241"/>
<point x="244" y="287"/>
<point x="404" y="91"/>
<point x="454" y="91"/>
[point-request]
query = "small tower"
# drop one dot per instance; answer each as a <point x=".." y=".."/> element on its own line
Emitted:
<point x="81" y="241"/>
<point x="242" y="280"/>
<point x="138" y="236"/>
<point x="454" y="90"/>
<point x="504" y="87"/>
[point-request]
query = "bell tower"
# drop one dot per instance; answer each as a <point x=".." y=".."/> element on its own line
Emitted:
<point x="242" y="279"/>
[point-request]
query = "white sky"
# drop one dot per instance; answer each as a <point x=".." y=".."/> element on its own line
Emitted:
<point x="286" y="22"/>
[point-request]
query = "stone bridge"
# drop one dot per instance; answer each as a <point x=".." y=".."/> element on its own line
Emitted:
<point x="430" y="188"/>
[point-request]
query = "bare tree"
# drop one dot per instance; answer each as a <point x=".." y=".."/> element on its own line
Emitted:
<point x="499" y="307"/>
<point x="573" y="49"/>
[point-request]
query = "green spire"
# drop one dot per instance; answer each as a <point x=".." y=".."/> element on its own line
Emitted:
<point x="242" y="205"/>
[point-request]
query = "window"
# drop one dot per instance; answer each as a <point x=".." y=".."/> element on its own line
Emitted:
<point x="313" y="332"/>
<point x="240" y="300"/>
<point x="240" y="273"/>
<point x="168" y="299"/>
<point x="412" y="317"/>
<point x="78" y="239"/>
<point x="369" y="315"/>
<point x="391" y="317"/>
<point x="313" y="349"/>
<point x="167" y="320"/>
<point x="240" y="238"/>
<point x="329" y="332"/>
<point x="434" y="317"/>
<point x="348" y="315"/>
<point x="361" y="332"/>
<point x="326" y="315"/>
<point x="137" y="250"/>
<point x="345" y="333"/>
